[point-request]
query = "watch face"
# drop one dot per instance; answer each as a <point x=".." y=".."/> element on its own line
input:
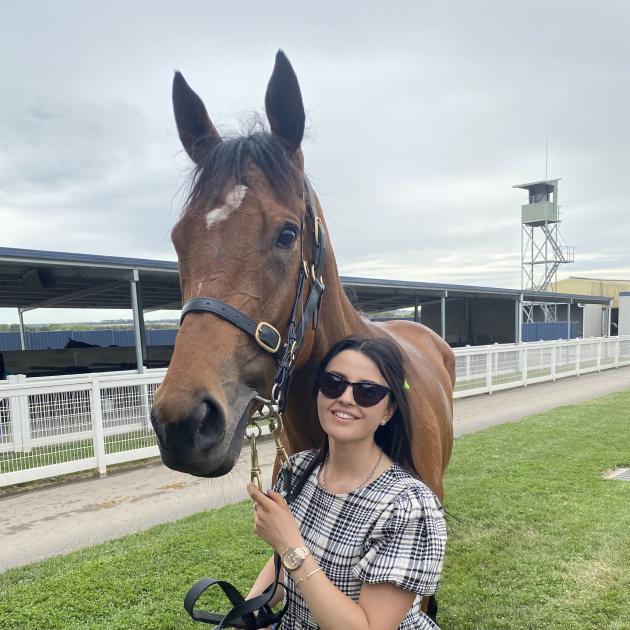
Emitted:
<point x="293" y="558"/>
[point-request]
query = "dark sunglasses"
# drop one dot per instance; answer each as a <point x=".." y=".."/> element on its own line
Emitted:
<point x="365" y="394"/>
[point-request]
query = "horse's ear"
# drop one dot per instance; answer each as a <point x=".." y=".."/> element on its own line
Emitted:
<point x="283" y="104"/>
<point x="195" y="129"/>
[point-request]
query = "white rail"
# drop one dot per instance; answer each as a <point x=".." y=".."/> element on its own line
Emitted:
<point x="57" y="425"/>
<point x="486" y="369"/>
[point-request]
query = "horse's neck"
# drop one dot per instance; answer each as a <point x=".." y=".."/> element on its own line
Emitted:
<point x="337" y="319"/>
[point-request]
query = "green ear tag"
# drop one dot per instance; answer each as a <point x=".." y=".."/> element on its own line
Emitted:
<point x="406" y="385"/>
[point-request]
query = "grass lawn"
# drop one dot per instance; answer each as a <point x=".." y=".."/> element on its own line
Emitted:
<point x="75" y="450"/>
<point x="537" y="540"/>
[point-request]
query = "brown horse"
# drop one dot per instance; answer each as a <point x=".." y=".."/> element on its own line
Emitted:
<point x="240" y="239"/>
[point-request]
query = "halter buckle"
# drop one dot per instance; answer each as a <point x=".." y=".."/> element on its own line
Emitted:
<point x="318" y="227"/>
<point x="265" y="329"/>
<point x="314" y="277"/>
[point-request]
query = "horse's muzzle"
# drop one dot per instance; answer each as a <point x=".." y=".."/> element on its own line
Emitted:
<point x="204" y="443"/>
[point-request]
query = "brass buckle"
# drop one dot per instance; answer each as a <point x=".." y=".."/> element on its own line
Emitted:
<point x="314" y="277"/>
<point x="261" y="343"/>
<point x="292" y="351"/>
<point x="318" y="226"/>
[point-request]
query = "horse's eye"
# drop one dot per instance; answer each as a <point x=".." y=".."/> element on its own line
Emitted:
<point x="287" y="237"/>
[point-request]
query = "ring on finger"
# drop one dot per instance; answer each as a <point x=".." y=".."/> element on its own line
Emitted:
<point x="255" y="506"/>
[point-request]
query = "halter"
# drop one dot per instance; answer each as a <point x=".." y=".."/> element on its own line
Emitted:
<point x="265" y="334"/>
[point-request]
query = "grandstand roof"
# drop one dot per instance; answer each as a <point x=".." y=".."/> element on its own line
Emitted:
<point x="42" y="279"/>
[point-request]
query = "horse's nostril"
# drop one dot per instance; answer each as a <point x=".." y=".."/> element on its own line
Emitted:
<point x="211" y="427"/>
<point x="157" y="426"/>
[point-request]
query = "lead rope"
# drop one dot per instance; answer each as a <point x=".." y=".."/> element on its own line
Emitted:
<point x="265" y="412"/>
<point x="256" y="612"/>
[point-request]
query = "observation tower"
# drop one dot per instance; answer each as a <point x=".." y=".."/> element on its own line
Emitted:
<point x="543" y="249"/>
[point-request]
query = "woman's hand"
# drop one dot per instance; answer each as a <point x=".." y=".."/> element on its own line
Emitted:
<point x="273" y="521"/>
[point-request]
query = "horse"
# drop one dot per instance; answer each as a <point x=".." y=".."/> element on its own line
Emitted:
<point x="243" y="240"/>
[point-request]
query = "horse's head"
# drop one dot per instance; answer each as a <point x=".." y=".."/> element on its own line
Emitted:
<point x="239" y="240"/>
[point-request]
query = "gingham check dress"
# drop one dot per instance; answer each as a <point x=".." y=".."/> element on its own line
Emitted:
<point x="391" y="530"/>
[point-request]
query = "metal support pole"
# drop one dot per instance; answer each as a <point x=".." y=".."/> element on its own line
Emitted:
<point x="23" y="344"/>
<point x="520" y="319"/>
<point x="569" y="320"/>
<point x="443" y="316"/>
<point x="415" y="308"/>
<point x="609" y="323"/>
<point x="517" y="308"/>
<point x="467" y="321"/>
<point x="138" y="321"/>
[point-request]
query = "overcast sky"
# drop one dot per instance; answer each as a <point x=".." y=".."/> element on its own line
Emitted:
<point x="421" y="118"/>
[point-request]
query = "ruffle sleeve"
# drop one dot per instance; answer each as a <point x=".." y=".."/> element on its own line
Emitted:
<point x="407" y="544"/>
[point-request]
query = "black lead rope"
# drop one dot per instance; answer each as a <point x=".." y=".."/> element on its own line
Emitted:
<point x="241" y="615"/>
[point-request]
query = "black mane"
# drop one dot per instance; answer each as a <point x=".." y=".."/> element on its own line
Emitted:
<point x="227" y="161"/>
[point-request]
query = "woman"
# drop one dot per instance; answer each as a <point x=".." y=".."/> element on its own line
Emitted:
<point x="363" y="537"/>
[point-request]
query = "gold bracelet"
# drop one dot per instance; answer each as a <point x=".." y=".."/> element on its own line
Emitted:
<point x="308" y="575"/>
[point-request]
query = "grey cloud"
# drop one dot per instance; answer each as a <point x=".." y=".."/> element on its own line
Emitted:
<point x="421" y="119"/>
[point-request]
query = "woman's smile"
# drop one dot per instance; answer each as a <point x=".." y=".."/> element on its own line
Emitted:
<point x="344" y="415"/>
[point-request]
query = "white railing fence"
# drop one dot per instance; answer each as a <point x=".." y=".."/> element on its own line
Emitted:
<point x="57" y="425"/>
<point x="486" y="369"/>
<point x="54" y="426"/>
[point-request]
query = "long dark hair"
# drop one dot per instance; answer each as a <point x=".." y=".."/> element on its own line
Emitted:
<point x="395" y="437"/>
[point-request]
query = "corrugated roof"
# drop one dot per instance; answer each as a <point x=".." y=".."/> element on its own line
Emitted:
<point x="38" y="256"/>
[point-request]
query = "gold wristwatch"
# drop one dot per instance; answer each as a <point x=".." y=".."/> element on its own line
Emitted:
<point x="293" y="557"/>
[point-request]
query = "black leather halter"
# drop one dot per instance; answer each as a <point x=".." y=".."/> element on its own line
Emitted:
<point x="265" y="334"/>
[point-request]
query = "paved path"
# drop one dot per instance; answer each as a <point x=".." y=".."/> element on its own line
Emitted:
<point x="54" y="520"/>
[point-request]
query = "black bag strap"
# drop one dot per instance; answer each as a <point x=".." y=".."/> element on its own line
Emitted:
<point x="242" y="613"/>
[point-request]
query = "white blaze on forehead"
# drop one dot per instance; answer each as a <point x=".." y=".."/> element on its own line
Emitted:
<point x="232" y="201"/>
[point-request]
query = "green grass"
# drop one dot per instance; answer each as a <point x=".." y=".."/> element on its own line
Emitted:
<point x="543" y="541"/>
<point x="537" y="540"/>
<point x="465" y="384"/>
<point x="73" y="451"/>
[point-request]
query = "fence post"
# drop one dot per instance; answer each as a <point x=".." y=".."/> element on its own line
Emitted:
<point x="97" y="423"/>
<point x="525" y="366"/>
<point x="577" y="357"/>
<point x="25" y="418"/>
<point x="599" y="355"/>
<point x="20" y="417"/>
<point x="467" y="361"/>
<point x="617" y="342"/>
<point x="489" y="362"/>
<point x="146" y="408"/>
<point x="14" y="416"/>
<point x="553" y="361"/>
